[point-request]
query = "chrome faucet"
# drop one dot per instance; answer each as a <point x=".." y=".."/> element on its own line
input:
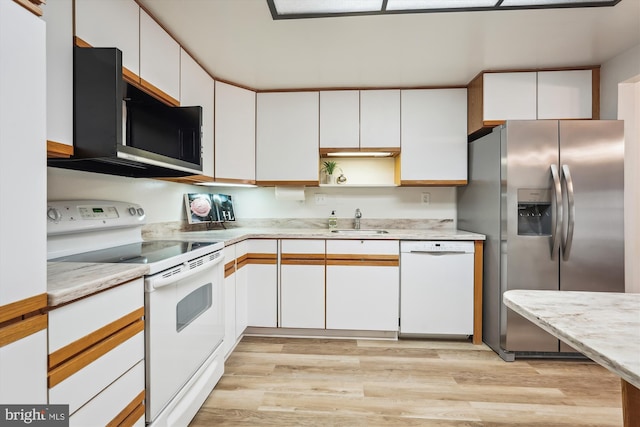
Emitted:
<point x="356" y="221"/>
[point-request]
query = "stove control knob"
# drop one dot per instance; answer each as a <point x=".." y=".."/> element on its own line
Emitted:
<point x="140" y="212"/>
<point x="132" y="211"/>
<point x="54" y="214"/>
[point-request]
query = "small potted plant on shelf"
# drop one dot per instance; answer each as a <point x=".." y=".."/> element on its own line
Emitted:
<point x="328" y="167"/>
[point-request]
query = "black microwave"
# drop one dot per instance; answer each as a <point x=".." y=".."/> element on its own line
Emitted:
<point x="119" y="129"/>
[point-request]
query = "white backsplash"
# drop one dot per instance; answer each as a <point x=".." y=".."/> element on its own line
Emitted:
<point x="163" y="200"/>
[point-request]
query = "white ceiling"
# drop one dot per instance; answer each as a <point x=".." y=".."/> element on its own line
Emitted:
<point x="237" y="41"/>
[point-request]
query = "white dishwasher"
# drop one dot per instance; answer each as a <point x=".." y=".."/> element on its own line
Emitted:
<point x="436" y="287"/>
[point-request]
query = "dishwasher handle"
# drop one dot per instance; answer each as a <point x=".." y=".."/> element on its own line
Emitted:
<point x="437" y="253"/>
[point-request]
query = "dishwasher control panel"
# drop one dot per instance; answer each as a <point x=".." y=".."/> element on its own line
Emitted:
<point x="437" y="246"/>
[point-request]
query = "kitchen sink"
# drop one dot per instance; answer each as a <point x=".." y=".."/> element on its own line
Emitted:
<point x="353" y="231"/>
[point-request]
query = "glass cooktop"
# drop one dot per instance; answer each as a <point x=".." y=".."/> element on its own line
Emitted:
<point x="152" y="252"/>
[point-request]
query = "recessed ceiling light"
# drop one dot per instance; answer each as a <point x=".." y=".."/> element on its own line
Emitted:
<point x="295" y="9"/>
<point x="437" y="4"/>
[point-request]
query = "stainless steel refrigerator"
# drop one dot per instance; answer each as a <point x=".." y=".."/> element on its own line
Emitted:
<point x="548" y="195"/>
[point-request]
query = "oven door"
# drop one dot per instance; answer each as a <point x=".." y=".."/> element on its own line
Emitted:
<point x="185" y="324"/>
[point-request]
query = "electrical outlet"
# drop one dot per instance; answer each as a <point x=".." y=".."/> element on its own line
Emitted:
<point x="321" y="199"/>
<point x="425" y="198"/>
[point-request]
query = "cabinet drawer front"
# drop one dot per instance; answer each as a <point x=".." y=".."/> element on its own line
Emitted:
<point x="80" y="387"/>
<point x="103" y="408"/>
<point x="79" y="319"/>
<point x="299" y="246"/>
<point x="364" y="247"/>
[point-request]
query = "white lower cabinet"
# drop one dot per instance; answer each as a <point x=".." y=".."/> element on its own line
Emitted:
<point x="242" y="269"/>
<point x="96" y="356"/>
<point x="23" y="370"/>
<point x="229" y="299"/>
<point x="262" y="283"/>
<point x="302" y="284"/>
<point x="363" y="285"/>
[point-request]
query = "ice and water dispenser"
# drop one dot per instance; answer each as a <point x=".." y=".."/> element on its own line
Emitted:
<point x="534" y="212"/>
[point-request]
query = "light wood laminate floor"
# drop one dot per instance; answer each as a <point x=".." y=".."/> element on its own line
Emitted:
<point x="326" y="382"/>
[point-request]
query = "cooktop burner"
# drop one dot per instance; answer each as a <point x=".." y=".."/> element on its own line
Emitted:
<point x="156" y="253"/>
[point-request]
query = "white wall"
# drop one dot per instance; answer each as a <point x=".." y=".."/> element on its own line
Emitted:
<point x="163" y="201"/>
<point x="620" y="99"/>
<point x="620" y="68"/>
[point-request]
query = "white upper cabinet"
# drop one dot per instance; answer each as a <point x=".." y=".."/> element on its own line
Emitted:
<point x="197" y="88"/>
<point x="23" y="136"/>
<point x="159" y="60"/>
<point x="380" y="118"/>
<point x="434" y="137"/>
<point x="113" y="23"/>
<point x="59" y="18"/>
<point x="235" y="130"/>
<point x="529" y="95"/>
<point x="509" y="96"/>
<point x="340" y="119"/>
<point x="565" y="94"/>
<point x="287" y="147"/>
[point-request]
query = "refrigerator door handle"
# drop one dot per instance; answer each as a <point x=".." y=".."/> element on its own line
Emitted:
<point x="556" y="229"/>
<point x="567" y="238"/>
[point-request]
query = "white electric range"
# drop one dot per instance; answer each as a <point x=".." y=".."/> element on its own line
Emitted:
<point x="184" y="312"/>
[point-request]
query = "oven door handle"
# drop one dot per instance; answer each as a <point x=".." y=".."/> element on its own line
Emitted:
<point x="169" y="277"/>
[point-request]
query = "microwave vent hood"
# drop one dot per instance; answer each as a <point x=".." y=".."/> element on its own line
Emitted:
<point x="121" y="130"/>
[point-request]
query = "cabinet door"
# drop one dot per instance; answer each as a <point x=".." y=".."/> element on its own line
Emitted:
<point x="229" y="298"/>
<point x="509" y="96"/>
<point x="434" y="137"/>
<point x="302" y="280"/>
<point x="197" y="88"/>
<point x="363" y="284"/>
<point x="287" y="138"/>
<point x="380" y="118"/>
<point x="340" y="119"/>
<point x="23" y="137"/>
<point x="94" y="25"/>
<point x="262" y="283"/>
<point x="23" y="370"/>
<point x="235" y="129"/>
<point x="362" y="297"/>
<point x="59" y="18"/>
<point x="565" y="94"/>
<point x="159" y="60"/>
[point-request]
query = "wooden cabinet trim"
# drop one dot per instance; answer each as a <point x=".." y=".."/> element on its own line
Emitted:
<point x="80" y="43"/>
<point x="364" y="262"/>
<point x="57" y="150"/>
<point x="16" y="310"/>
<point x="261" y="258"/>
<point x="595" y="93"/>
<point x="131" y="413"/>
<point x="308" y="261"/>
<point x="191" y="179"/>
<point x="297" y="183"/>
<point x="75" y="348"/>
<point x="305" y="256"/>
<point x="395" y="151"/>
<point x="158" y="93"/>
<point x="32" y="6"/>
<point x="477" y="291"/>
<point x="130" y="77"/>
<point x="433" y="183"/>
<point x="363" y="257"/>
<point x="83" y="359"/>
<point x="18" y="330"/>
<point x="235" y="181"/>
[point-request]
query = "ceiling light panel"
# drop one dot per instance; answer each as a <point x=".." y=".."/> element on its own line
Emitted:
<point x="303" y="7"/>
<point x="530" y="3"/>
<point x="438" y="4"/>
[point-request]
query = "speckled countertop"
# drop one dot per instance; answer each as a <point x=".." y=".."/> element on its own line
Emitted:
<point x="603" y="326"/>
<point x="67" y="281"/>
<point x="234" y="235"/>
